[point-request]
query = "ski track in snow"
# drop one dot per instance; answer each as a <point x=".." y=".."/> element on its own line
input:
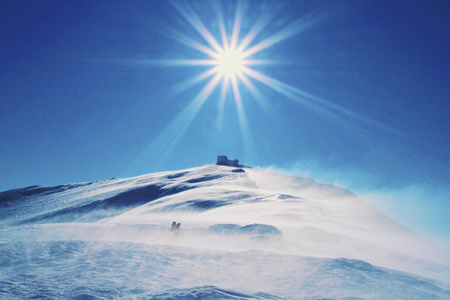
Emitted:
<point x="111" y="239"/>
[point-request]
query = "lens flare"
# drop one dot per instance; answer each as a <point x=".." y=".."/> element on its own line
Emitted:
<point x="229" y="58"/>
<point x="230" y="62"/>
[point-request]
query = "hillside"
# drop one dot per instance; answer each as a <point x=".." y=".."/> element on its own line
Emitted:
<point x="245" y="233"/>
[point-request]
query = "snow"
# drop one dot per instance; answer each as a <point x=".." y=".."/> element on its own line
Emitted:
<point x="253" y="229"/>
<point x="249" y="234"/>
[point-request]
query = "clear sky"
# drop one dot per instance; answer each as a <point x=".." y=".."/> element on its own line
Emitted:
<point x="350" y="92"/>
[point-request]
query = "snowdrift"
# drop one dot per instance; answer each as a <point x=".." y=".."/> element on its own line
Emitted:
<point x="245" y="234"/>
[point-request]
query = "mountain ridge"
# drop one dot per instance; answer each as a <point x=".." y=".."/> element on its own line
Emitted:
<point x="225" y="209"/>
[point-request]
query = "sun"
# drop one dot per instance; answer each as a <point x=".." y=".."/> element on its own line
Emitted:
<point x="230" y="57"/>
<point x="230" y="62"/>
<point x="230" y="52"/>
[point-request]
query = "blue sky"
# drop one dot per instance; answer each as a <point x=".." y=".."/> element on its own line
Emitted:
<point x="85" y="95"/>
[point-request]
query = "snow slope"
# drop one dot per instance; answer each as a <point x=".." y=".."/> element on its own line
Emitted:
<point x="245" y="234"/>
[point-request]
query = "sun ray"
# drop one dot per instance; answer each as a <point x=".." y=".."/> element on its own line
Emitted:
<point x="190" y="62"/>
<point x="182" y="38"/>
<point x="281" y="35"/>
<point x="254" y="31"/>
<point x="188" y="13"/>
<point x="257" y="95"/>
<point x="193" y="81"/>
<point x="164" y="143"/>
<point x="236" y="26"/>
<point x="223" y="32"/>
<point x="176" y="62"/>
<point x="245" y="130"/>
<point x="223" y="94"/>
<point x="324" y="108"/>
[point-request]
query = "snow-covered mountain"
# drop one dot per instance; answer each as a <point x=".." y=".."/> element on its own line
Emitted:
<point x="245" y="233"/>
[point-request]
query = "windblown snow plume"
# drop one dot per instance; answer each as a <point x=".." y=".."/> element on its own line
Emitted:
<point x="244" y="233"/>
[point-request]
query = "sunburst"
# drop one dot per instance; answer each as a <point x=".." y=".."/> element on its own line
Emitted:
<point x="230" y="58"/>
<point x="230" y="61"/>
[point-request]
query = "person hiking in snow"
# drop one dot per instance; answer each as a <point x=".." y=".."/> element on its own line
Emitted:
<point x="175" y="227"/>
